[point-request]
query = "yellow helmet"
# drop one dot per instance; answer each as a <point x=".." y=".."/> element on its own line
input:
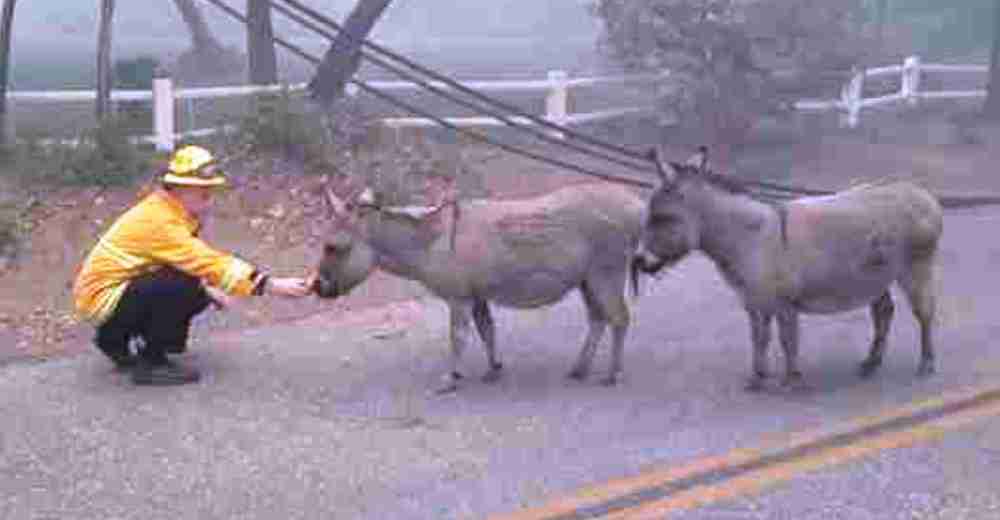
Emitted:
<point x="188" y="167"/>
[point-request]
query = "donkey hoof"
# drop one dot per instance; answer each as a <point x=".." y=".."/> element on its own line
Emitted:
<point x="446" y="388"/>
<point x="611" y="380"/>
<point x="868" y="368"/>
<point x="794" y="381"/>
<point x="493" y="375"/>
<point x="926" y="369"/>
<point x="449" y="384"/>
<point x="755" y="384"/>
<point x="578" y="374"/>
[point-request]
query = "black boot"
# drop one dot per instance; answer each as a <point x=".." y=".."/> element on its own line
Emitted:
<point x="163" y="373"/>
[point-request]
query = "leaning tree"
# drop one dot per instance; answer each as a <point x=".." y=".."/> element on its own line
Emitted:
<point x="104" y="71"/>
<point x="6" y="26"/>
<point x="732" y="61"/>
<point x="262" y="60"/>
<point x="343" y="58"/>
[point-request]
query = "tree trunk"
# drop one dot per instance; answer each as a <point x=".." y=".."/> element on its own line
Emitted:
<point x="881" y="20"/>
<point x="201" y="37"/>
<point x="104" y="77"/>
<point x="260" y="43"/>
<point x="6" y="26"/>
<point x="991" y="109"/>
<point x="343" y="58"/>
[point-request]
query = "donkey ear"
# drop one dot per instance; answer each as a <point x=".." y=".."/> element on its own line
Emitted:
<point x="699" y="160"/>
<point x="666" y="171"/>
<point x="335" y="204"/>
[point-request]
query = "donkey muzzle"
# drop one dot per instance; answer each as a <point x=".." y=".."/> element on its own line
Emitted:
<point x="647" y="262"/>
<point x="324" y="288"/>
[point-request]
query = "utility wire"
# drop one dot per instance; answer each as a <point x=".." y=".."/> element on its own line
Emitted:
<point x="325" y="20"/>
<point x="785" y="191"/>
<point x="541" y="134"/>
<point x="410" y="108"/>
<point x="379" y="49"/>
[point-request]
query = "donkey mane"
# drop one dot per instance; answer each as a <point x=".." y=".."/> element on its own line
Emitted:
<point x="722" y="182"/>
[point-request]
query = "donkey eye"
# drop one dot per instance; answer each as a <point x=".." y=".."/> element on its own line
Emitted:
<point x="663" y="220"/>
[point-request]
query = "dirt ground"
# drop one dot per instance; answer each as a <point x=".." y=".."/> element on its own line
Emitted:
<point x="271" y="220"/>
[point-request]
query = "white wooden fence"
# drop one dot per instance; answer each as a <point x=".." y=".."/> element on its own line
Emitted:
<point x="556" y="87"/>
<point x="852" y="99"/>
<point x="164" y="97"/>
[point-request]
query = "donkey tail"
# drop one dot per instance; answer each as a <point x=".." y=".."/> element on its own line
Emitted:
<point x="633" y="267"/>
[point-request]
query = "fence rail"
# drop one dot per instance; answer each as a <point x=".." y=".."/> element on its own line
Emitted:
<point x="852" y="100"/>
<point x="163" y="96"/>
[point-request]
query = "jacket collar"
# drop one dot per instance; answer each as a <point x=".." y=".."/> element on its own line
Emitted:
<point x="177" y="208"/>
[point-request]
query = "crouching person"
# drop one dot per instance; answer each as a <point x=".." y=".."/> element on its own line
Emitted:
<point x="150" y="274"/>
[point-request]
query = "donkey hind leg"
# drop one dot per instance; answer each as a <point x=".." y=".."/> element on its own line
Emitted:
<point x="881" y="311"/>
<point x="760" y="334"/>
<point x="609" y="292"/>
<point x="788" y="334"/>
<point x="921" y="291"/>
<point x="459" y="337"/>
<point x="597" y="325"/>
<point x="486" y="327"/>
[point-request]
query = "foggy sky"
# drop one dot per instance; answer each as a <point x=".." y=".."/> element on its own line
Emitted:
<point x="58" y="27"/>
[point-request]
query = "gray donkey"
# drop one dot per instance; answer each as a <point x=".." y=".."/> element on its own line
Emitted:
<point x="811" y="255"/>
<point x="524" y="253"/>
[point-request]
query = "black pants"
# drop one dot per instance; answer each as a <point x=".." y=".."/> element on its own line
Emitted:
<point x="157" y="307"/>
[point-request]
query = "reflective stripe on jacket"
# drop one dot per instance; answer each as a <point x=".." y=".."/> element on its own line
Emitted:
<point x="156" y="232"/>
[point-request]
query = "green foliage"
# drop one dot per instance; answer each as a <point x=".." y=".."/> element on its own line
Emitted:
<point x="136" y="73"/>
<point x="279" y="123"/>
<point x="103" y="156"/>
<point x="9" y="230"/>
<point x="943" y="29"/>
<point x="726" y="57"/>
<point x="14" y="226"/>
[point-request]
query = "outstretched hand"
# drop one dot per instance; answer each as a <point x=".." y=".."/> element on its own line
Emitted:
<point x="291" y="287"/>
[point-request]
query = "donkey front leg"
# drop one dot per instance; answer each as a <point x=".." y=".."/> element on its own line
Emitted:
<point x="597" y="326"/>
<point x="608" y="291"/>
<point x="760" y="335"/>
<point x="488" y="333"/>
<point x="460" y="325"/>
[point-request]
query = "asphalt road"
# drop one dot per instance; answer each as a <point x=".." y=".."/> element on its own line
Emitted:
<point x="325" y="419"/>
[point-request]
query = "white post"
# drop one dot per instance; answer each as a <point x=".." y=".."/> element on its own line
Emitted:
<point x="851" y="98"/>
<point x="163" y="112"/>
<point x="556" y="101"/>
<point x="911" y="80"/>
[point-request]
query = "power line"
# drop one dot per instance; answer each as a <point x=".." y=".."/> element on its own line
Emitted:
<point x="379" y="49"/>
<point x="479" y="108"/>
<point x="408" y="107"/>
<point x="785" y="192"/>
<point x="325" y="20"/>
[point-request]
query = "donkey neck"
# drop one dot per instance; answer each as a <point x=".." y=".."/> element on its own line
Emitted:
<point x="402" y="248"/>
<point x="730" y="223"/>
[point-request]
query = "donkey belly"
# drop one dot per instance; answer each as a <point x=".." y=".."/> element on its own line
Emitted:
<point x="529" y="289"/>
<point x="844" y="293"/>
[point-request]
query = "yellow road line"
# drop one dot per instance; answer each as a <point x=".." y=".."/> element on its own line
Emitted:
<point x="782" y="472"/>
<point x="595" y="495"/>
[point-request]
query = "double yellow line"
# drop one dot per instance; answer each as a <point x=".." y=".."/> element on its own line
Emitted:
<point x="657" y="493"/>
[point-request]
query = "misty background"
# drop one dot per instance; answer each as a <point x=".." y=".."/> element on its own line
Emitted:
<point x="54" y="41"/>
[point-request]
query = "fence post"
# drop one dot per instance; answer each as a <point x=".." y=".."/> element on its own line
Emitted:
<point x="163" y="112"/>
<point x="911" y="80"/>
<point x="557" y="99"/>
<point x="851" y="98"/>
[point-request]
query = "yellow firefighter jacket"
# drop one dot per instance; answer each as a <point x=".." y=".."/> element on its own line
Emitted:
<point x="156" y="232"/>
